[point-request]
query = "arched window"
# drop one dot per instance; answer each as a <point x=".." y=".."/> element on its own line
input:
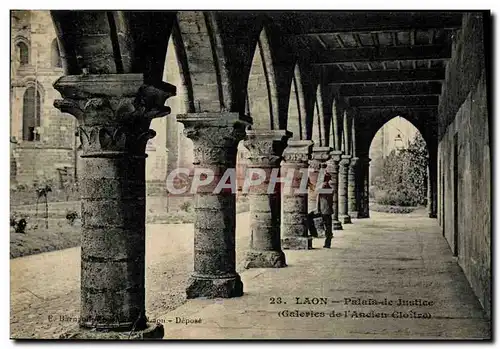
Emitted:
<point x="31" y="115"/>
<point x="56" y="55"/>
<point x="23" y="53"/>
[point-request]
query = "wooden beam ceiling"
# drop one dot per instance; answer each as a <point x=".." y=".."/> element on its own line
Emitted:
<point x="408" y="89"/>
<point x="387" y="53"/>
<point x="394" y="101"/>
<point x="312" y="23"/>
<point x="362" y="77"/>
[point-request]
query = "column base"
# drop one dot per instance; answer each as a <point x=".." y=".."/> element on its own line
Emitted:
<point x="362" y="215"/>
<point x="265" y="259"/>
<point x="151" y="332"/>
<point x="296" y="243"/>
<point x="336" y="225"/>
<point x="345" y="219"/>
<point x="214" y="288"/>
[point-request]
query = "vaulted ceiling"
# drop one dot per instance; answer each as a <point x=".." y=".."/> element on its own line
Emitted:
<point x="382" y="63"/>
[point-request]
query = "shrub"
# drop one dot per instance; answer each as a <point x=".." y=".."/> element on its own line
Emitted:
<point x="18" y="223"/>
<point x="71" y="216"/>
<point x="186" y="206"/>
<point x="403" y="178"/>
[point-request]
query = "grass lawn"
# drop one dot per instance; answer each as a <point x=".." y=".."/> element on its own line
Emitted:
<point x="60" y="235"/>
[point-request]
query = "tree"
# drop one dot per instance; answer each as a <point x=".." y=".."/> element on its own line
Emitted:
<point x="403" y="181"/>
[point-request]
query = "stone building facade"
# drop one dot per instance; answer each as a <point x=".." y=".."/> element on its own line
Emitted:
<point x="43" y="141"/>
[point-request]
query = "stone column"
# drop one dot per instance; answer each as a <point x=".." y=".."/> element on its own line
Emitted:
<point x="364" y="169"/>
<point x="215" y="137"/>
<point x="114" y="113"/>
<point x="319" y="158"/>
<point x="352" y="187"/>
<point x="266" y="148"/>
<point x="333" y="169"/>
<point x="431" y="190"/>
<point x="294" y="220"/>
<point x="343" y="190"/>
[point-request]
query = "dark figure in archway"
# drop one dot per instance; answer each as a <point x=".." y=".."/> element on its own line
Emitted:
<point x="324" y="202"/>
<point x="313" y="214"/>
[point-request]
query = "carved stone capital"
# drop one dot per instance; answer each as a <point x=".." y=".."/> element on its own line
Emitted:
<point x="298" y="152"/>
<point x="344" y="161"/>
<point x="215" y="136"/>
<point x="332" y="165"/>
<point x="266" y="146"/>
<point x="319" y="157"/>
<point x="114" y="111"/>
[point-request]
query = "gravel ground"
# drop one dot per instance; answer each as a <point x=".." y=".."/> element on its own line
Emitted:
<point x="46" y="286"/>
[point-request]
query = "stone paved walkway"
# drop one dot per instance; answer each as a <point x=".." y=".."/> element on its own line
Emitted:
<point x="388" y="256"/>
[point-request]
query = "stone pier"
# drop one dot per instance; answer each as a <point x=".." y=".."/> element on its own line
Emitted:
<point x="343" y="190"/>
<point x="364" y="183"/>
<point x="352" y="188"/>
<point x="266" y="148"/>
<point x="114" y="113"/>
<point x="333" y="168"/>
<point x="319" y="158"/>
<point x="294" y="220"/>
<point x="432" y="189"/>
<point x="215" y="137"/>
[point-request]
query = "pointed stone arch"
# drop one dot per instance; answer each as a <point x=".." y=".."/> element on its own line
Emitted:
<point x="32" y="113"/>
<point x="262" y="94"/>
<point x="22" y="46"/>
<point x="319" y="123"/>
<point x="335" y="134"/>
<point x="113" y="42"/>
<point x="366" y="131"/>
<point x="55" y="54"/>
<point x="296" y="108"/>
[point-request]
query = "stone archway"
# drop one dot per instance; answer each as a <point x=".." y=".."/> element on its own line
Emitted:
<point x="398" y="138"/>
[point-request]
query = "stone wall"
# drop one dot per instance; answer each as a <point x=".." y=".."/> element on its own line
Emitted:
<point x="38" y="160"/>
<point x="465" y="160"/>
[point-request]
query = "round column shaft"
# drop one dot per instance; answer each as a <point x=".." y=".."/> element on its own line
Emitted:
<point x="318" y="162"/>
<point x="294" y="197"/>
<point x="114" y="113"/>
<point x="343" y="190"/>
<point x="215" y="137"/>
<point x="366" y="189"/>
<point x="363" y="182"/>
<point x="266" y="148"/>
<point x="333" y="168"/>
<point x="352" y="189"/>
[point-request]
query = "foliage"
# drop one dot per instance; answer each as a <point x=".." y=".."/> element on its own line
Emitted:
<point x="71" y="216"/>
<point x="43" y="190"/>
<point x="403" y="181"/>
<point x="18" y="223"/>
<point x="186" y="206"/>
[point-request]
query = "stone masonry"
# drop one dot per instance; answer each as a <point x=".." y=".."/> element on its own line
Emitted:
<point x="294" y="230"/>
<point x="215" y="138"/>
<point x="114" y="112"/>
<point x="266" y="149"/>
